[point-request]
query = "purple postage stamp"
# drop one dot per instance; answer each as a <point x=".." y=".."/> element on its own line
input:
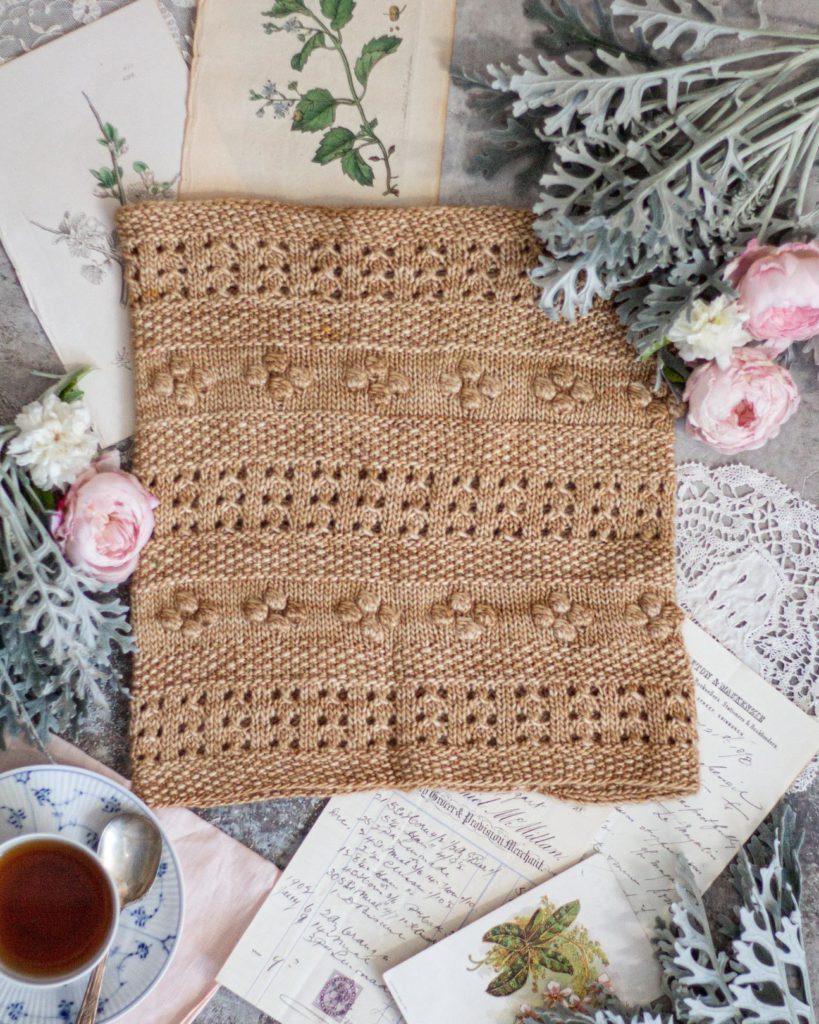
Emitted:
<point x="337" y="997"/>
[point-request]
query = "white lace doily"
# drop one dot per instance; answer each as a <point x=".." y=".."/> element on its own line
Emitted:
<point x="748" y="573"/>
<point x="25" y="24"/>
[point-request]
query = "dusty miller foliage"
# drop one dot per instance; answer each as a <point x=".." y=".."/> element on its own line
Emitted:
<point x="664" y="139"/>
<point x="58" y="628"/>
<point x="756" y="970"/>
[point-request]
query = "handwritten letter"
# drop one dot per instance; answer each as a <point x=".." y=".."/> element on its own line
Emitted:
<point x="753" y="744"/>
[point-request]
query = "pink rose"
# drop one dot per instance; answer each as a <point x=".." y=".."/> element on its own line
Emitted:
<point x="778" y="288"/>
<point x="740" y="408"/>
<point x="105" y="519"/>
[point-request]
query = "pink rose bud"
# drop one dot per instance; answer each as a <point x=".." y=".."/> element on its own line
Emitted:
<point x="105" y="519"/>
<point x="739" y="409"/>
<point x="778" y="287"/>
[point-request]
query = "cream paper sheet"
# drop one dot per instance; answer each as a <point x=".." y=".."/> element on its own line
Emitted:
<point x="383" y="875"/>
<point x="55" y="225"/>
<point x="324" y="68"/>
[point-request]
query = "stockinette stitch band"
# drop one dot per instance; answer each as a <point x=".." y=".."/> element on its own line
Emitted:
<point x="411" y="532"/>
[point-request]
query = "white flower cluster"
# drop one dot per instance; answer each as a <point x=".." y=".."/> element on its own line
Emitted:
<point x="56" y="441"/>
<point x="710" y="330"/>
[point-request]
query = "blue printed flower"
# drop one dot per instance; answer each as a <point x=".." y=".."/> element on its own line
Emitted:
<point x="111" y="805"/>
<point x="65" y="1010"/>
<point x="143" y="950"/>
<point x="16" y="817"/>
<point x="15" y="1011"/>
<point x="140" y="916"/>
<point x="42" y="795"/>
<point x="162" y="870"/>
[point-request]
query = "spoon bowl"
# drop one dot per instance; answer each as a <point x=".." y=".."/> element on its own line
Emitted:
<point x="130" y="847"/>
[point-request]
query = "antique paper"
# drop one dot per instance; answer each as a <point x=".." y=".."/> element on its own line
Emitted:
<point x="753" y="744"/>
<point x="122" y="81"/>
<point x="383" y="875"/>
<point x="579" y="921"/>
<point x="340" y="102"/>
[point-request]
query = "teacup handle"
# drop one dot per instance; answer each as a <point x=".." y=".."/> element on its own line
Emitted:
<point x="90" y="1002"/>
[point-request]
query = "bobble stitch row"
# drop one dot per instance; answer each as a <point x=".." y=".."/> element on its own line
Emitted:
<point x="556" y="615"/>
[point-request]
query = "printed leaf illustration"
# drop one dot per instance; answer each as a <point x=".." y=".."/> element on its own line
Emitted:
<point x="354" y="143"/>
<point x="339" y="11"/>
<point x="510" y="980"/>
<point x="508" y="935"/>
<point x="554" y="962"/>
<point x="374" y="51"/>
<point x="105" y="176"/>
<point x="355" y="167"/>
<point x="315" y="42"/>
<point x="562" y="919"/>
<point x="87" y="237"/>
<point x="531" y="948"/>
<point x="111" y="137"/>
<point x="314" y="111"/>
<point x="334" y="145"/>
<point x="282" y="8"/>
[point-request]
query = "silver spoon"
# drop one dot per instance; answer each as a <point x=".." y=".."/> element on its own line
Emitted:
<point x="130" y="847"/>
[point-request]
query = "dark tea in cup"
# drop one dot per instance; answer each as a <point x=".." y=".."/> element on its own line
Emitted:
<point x="58" y="909"/>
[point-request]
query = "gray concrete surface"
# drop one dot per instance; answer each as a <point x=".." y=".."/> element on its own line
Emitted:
<point x="486" y="30"/>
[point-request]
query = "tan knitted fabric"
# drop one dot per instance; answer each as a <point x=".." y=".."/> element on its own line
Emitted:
<point x="411" y="532"/>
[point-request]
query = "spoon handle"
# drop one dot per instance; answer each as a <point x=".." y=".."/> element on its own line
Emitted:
<point x="88" y="1010"/>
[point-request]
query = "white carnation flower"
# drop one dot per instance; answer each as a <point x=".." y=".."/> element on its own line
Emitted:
<point x="710" y="330"/>
<point x="56" y="441"/>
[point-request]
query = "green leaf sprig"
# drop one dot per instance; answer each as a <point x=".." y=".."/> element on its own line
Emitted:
<point x="316" y="109"/>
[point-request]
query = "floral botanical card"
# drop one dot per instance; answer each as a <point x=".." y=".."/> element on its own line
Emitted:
<point x="107" y="132"/>
<point x="332" y="101"/>
<point x="569" y="942"/>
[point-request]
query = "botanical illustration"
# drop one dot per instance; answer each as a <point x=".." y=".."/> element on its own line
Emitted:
<point x="559" y="957"/>
<point x="356" y="148"/>
<point x="87" y="237"/>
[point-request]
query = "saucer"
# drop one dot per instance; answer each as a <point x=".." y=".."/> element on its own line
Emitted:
<point x="78" y="804"/>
